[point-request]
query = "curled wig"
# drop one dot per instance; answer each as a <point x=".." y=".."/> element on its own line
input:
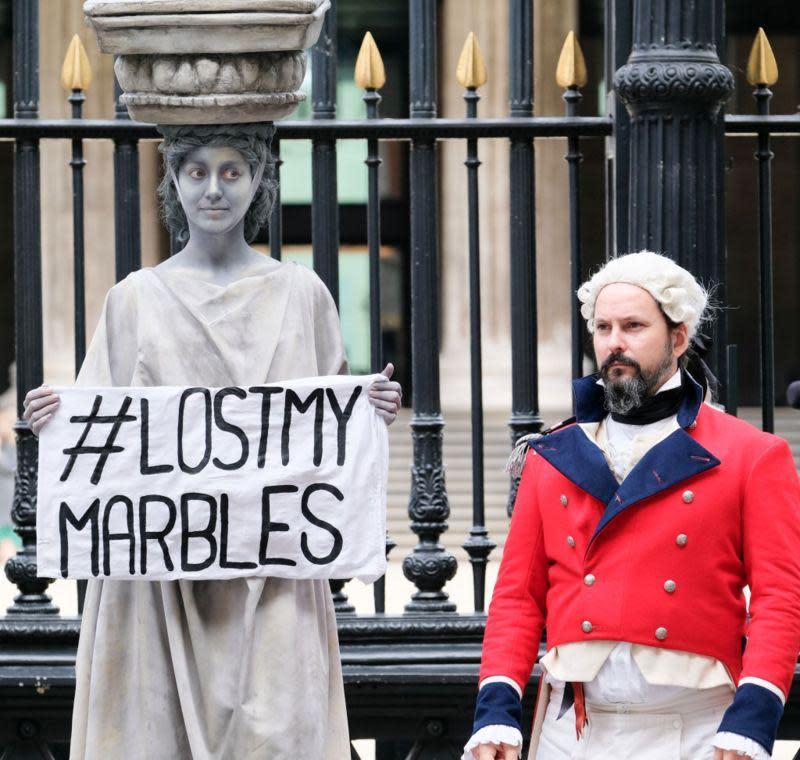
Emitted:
<point x="251" y="140"/>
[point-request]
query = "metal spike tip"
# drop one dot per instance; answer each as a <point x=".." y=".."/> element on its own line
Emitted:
<point x="762" y="68"/>
<point x="571" y="68"/>
<point x="76" y="72"/>
<point x="370" y="73"/>
<point x="471" y="69"/>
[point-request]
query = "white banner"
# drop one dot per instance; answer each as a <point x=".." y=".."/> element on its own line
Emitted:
<point x="286" y="480"/>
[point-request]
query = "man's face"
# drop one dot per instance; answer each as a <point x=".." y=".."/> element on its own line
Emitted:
<point x="632" y="341"/>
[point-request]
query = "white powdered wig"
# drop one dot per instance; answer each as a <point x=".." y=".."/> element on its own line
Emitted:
<point x="678" y="293"/>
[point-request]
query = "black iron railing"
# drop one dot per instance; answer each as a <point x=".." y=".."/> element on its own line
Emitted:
<point x="410" y="679"/>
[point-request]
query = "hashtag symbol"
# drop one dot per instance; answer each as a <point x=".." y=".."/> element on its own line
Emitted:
<point x="94" y="418"/>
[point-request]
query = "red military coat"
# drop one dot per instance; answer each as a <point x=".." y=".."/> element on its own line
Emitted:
<point x="662" y="558"/>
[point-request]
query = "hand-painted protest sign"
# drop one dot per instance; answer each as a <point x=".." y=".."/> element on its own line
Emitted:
<point x="287" y="480"/>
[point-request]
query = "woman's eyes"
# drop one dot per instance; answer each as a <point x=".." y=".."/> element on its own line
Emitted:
<point x="230" y="174"/>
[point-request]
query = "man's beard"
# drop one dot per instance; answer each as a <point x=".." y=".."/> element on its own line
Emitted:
<point x="624" y="394"/>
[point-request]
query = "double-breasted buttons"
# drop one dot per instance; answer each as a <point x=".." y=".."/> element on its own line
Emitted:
<point x="571" y="541"/>
<point x="588" y="579"/>
<point x="670" y="586"/>
<point x="564" y="500"/>
<point x="681" y="539"/>
<point x="688" y="496"/>
<point x="661" y="633"/>
<point x="586" y="626"/>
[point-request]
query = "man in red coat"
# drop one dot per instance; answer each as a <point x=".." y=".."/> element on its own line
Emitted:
<point x="635" y="532"/>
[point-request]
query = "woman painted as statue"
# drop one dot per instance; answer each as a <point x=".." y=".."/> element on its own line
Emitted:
<point x="231" y="669"/>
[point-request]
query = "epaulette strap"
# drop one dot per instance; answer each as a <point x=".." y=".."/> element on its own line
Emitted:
<point x="516" y="461"/>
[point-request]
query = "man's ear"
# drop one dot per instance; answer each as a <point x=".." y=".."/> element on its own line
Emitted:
<point x="680" y="340"/>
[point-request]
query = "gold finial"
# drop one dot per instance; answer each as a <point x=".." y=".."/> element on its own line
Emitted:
<point x="571" y="68"/>
<point x="76" y="73"/>
<point x="370" y="74"/>
<point x="471" y="69"/>
<point x="762" y="68"/>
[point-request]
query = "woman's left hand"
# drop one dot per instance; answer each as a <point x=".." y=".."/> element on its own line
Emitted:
<point x="386" y="396"/>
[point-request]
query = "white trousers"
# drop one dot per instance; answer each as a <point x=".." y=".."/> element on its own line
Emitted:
<point x="679" y="729"/>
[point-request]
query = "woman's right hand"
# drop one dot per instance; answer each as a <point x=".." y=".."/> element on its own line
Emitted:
<point x="501" y="751"/>
<point x="38" y="407"/>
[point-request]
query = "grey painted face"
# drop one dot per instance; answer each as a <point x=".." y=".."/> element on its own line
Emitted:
<point x="215" y="188"/>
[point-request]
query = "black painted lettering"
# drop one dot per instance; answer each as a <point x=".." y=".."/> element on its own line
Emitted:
<point x="336" y="549"/>
<point x="266" y="399"/>
<point x="223" y="539"/>
<point x="342" y="418"/>
<point x="207" y="533"/>
<point x="66" y="515"/>
<point x="145" y="534"/>
<point x="128" y="535"/>
<point x="144" y="465"/>
<point x="207" y="414"/>
<point x="293" y="400"/>
<point x="227" y="427"/>
<point x="267" y="526"/>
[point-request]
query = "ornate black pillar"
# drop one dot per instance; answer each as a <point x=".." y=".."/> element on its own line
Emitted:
<point x="429" y="566"/>
<point x="21" y="569"/>
<point x="674" y="86"/>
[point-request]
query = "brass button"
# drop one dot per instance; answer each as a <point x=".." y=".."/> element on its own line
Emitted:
<point x="693" y="425"/>
<point x="670" y="586"/>
<point x="688" y="496"/>
<point x="661" y="633"/>
<point x="586" y="626"/>
<point x="681" y="539"/>
<point x="571" y="541"/>
<point x="564" y="499"/>
<point x="588" y="579"/>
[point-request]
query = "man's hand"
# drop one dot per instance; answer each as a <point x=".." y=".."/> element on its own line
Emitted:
<point x="386" y="396"/>
<point x="38" y="407"/>
<point x="497" y="752"/>
<point x="729" y="754"/>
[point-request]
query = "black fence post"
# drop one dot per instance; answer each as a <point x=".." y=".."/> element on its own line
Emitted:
<point x="674" y="87"/>
<point x="21" y="569"/>
<point x="127" y="209"/>
<point x="525" y="417"/>
<point x="429" y="566"/>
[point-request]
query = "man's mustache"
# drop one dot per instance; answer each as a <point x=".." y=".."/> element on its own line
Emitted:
<point x="618" y="358"/>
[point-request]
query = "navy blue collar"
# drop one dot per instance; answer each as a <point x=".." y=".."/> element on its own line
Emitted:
<point x="677" y="458"/>
<point x="588" y="395"/>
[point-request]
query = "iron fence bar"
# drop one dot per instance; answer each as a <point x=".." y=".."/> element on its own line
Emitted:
<point x="478" y="546"/>
<point x="21" y="569"/>
<point x="77" y="163"/>
<point x="428" y="566"/>
<point x="276" y="214"/>
<point x="127" y="232"/>
<point x="324" y="193"/>
<point x="525" y="417"/>
<point x="372" y="99"/>
<point x="777" y="124"/>
<point x="764" y="156"/>
<point x="572" y="98"/>
<point x="324" y="199"/>
<point x="523" y="127"/>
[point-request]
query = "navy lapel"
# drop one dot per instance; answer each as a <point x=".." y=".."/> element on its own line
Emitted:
<point x="577" y="458"/>
<point x="677" y="458"/>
